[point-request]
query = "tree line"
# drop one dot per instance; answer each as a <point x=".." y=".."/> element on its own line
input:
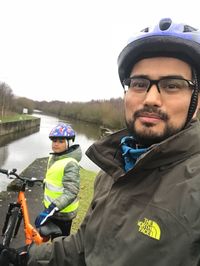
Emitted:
<point x="107" y="113"/>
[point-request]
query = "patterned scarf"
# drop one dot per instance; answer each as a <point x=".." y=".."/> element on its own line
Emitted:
<point x="130" y="152"/>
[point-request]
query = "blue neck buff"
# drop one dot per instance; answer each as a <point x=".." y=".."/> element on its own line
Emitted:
<point x="130" y="152"/>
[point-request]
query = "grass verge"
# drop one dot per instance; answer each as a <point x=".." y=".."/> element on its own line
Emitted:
<point x="15" y="117"/>
<point x="85" y="196"/>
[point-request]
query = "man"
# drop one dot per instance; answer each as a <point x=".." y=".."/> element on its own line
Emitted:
<point x="146" y="205"/>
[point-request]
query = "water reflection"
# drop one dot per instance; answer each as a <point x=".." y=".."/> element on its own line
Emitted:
<point x="91" y="131"/>
<point x="17" y="135"/>
<point x="4" y="140"/>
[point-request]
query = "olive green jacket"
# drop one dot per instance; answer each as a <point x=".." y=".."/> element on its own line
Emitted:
<point x="147" y="216"/>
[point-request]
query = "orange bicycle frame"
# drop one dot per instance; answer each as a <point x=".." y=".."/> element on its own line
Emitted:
<point x="31" y="234"/>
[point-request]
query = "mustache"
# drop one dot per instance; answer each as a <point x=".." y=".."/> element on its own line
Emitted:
<point x="152" y="110"/>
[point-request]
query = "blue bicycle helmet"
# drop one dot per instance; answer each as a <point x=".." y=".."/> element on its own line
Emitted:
<point x="62" y="131"/>
<point x="164" y="39"/>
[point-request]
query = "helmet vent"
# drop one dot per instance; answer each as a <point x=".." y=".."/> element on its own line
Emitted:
<point x="165" y="24"/>
<point x="188" y="28"/>
<point x="145" y="30"/>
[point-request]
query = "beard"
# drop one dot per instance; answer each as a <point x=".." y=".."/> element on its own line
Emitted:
<point x="147" y="136"/>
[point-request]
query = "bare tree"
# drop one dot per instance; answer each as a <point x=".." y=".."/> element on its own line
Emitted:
<point x="6" y="98"/>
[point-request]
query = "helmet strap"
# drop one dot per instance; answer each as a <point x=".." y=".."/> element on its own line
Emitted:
<point x="194" y="99"/>
<point x="68" y="143"/>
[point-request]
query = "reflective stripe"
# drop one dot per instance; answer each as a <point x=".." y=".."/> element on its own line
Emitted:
<point x="53" y="188"/>
<point x="47" y="199"/>
<point x="52" y="194"/>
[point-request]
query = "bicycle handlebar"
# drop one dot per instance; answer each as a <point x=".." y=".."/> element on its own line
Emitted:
<point x="13" y="172"/>
<point x="4" y="171"/>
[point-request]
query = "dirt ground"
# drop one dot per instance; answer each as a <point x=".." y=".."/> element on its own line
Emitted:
<point x="33" y="195"/>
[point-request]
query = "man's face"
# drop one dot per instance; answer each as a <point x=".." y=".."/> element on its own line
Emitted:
<point x="154" y="116"/>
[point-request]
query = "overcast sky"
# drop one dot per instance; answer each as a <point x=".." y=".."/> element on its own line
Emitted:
<point x="67" y="49"/>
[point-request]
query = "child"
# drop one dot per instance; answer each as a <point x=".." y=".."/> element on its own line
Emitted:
<point x="61" y="184"/>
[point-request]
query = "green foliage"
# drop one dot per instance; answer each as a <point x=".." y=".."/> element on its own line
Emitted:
<point x="15" y="117"/>
<point x="85" y="195"/>
<point x="109" y="113"/>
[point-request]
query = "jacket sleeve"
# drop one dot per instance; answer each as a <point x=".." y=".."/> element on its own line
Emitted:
<point x="62" y="251"/>
<point x="71" y="183"/>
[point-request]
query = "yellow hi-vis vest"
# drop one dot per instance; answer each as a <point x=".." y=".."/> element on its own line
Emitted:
<point x="53" y="184"/>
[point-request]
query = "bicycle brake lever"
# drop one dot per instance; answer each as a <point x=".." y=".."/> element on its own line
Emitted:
<point x="9" y="174"/>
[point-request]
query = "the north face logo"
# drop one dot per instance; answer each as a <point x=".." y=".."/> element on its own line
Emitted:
<point x="149" y="228"/>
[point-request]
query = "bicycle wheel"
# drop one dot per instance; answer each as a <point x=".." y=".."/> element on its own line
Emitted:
<point x="8" y="235"/>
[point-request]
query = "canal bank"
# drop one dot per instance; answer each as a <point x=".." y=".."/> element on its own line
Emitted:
<point x="18" y="126"/>
<point x="34" y="196"/>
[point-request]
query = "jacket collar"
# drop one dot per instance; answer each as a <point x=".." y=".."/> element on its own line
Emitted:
<point x="74" y="151"/>
<point x="106" y="153"/>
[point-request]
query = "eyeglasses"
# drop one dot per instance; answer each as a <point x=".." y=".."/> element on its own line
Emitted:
<point x="165" y="85"/>
<point x="58" y="140"/>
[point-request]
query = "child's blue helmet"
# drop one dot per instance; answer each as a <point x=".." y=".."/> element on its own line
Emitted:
<point x="62" y="131"/>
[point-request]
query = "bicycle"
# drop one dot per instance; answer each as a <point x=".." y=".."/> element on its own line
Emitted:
<point x="18" y="211"/>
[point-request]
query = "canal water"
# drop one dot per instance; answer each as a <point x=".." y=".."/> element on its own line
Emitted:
<point x="21" y="149"/>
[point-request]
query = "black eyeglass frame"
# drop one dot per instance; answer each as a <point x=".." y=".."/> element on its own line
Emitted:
<point x="127" y="82"/>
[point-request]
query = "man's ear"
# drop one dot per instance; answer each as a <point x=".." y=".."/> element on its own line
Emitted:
<point x="198" y="103"/>
<point x="125" y="92"/>
<point x="198" y="106"/>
